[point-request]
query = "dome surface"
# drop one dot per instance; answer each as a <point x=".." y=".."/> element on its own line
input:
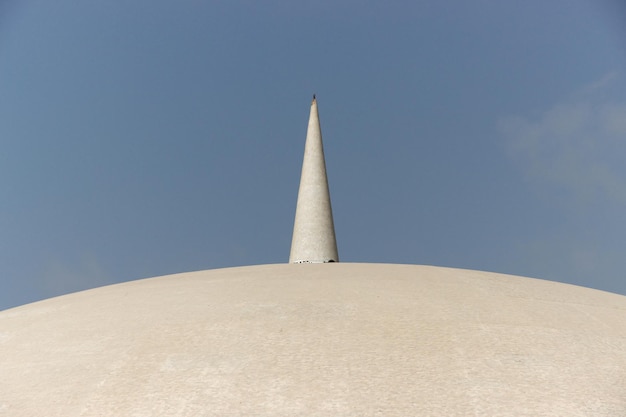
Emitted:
<point x="318" y="340"/>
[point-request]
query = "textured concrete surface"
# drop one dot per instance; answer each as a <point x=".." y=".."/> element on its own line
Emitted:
<point x="313" y="231"/>
<point x="318" y="340"/>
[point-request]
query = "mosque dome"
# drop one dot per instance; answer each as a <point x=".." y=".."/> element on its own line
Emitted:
<point x="316" y="337"/>
<point x="336" y="339"/>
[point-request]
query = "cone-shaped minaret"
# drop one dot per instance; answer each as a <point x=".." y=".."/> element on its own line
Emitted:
<point x="313" y="230"/>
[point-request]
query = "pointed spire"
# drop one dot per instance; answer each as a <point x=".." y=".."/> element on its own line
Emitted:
<point x="313" y="230"/>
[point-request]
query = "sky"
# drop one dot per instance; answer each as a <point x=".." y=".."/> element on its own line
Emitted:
<point x="143" y="138"/>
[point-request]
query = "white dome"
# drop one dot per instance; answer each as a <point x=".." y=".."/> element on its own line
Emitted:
<point x="318" y="340"/>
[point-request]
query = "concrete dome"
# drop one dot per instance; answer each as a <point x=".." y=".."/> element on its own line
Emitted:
<point x="318" y="340"/>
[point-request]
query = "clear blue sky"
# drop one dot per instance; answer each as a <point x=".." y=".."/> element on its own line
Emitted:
<point x="143" y="138"/>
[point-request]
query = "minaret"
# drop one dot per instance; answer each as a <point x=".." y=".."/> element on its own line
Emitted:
<point x="313" y="230"/>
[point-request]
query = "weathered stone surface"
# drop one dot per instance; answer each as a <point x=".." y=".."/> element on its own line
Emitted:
<point x="318" y="340"/>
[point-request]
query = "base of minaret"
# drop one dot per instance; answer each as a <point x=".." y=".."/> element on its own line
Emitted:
<point x="314" y="262"/>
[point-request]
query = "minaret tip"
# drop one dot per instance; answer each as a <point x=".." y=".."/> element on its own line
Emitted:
<point x="313" y="230"/>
